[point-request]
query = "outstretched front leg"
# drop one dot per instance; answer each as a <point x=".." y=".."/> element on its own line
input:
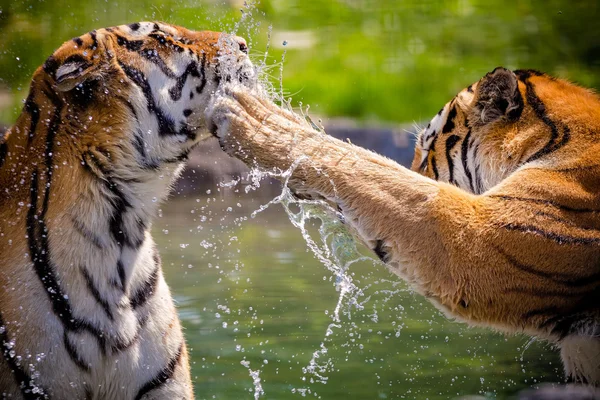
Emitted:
<point x="475" y="256"/>
<point x="418" y="226"/>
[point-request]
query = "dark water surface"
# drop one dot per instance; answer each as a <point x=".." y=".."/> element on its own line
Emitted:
<point x="248" y="289"/>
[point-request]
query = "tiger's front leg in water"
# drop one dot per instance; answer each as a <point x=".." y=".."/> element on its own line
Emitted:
<point x="497" y="221"/>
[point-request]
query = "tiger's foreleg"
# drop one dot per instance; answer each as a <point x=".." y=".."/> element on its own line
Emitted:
<point x="421" y="228"/>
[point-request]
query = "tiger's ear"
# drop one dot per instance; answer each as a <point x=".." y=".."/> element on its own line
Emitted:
<point x="75" y="70"/>
<point x="498" y="97"/>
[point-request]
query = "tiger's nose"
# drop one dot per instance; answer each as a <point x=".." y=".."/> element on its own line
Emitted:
<point x="242" y="43"/>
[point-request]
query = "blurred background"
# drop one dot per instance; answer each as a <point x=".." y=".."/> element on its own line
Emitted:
<point x="247" y="288"/>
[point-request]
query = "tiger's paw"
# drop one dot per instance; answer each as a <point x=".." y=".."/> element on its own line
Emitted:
<point x="237" y="113"/>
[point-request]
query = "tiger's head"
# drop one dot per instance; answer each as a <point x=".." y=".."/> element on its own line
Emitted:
<point x="132" y="97"/>
<point x="501" y="123"/>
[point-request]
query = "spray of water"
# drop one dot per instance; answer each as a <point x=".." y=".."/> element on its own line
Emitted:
<point x="334" y="246"/>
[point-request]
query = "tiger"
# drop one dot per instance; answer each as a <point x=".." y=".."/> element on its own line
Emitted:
<point x="497" y="222"/>
<point x="110" y="118"/>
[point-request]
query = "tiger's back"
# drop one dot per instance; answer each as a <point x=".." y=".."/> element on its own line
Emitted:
<point x="85" y="311"/>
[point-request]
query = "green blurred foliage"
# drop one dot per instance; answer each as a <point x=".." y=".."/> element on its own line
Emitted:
<point x="390" y="60"/>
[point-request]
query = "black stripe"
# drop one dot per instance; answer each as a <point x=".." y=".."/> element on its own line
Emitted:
<point x="217" y="78"/>
<point x="89" y="282"/>
<point x="140" y="146"/>
<point x="555" y="237"/>
<point x="39" y="251"/>
<point x="200" y="87"/>
<point x="431" y="156"/>
<point x="163" y="376"/>
<point x="524" y="74"/>
<point x="143" y="294"/>
<point x="3" y="153"/>
<point x="22" y="378"/>
<point x="167" y="41"/>
<point x="449" y="125"/>
<point x="94" y="39"/>
<point x="50" y="66"/>
<point x="76" y="59"/>
<point x="563" y="221"/>
<point x="152" y="56"/>
<point x="450" y="143"/>
<point x="183" y="156"/>
<point x="122" y="276"/>
<point x="477" y="177"/>
<point x="34" y="112"/>
<point x="120" y="206"/>
<point x="566" y="279"/>
<point x="166" y="126"/>
<point x="134" y="26"/>
<point x="581" y="317"/>
<point x="579" y="323"/>
<point x="131" y="45"/>
<point x="160" y="38"/>
<point x="78" y="41"/>
<point x="545" y="311"/>
<point x="436" y="174"/>
<point x="540" y="111"/>
<point x="122" y="345"/>
<point x="118" y="200"/>
<point x="73" y="354"/>
<point x="551" y="203"/>
<point x="37" y="237"/>
<point x="382" y="254"/>
<point x="464" y="156"/>
<point x="579" y="168"/>
<point x="176" y="91"/>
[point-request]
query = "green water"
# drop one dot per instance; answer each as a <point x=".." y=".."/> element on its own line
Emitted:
<point x="248" y="289"/>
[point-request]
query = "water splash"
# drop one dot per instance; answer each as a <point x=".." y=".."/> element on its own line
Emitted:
<point x="255" y="375"/>
<point x="335" y="248"/>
